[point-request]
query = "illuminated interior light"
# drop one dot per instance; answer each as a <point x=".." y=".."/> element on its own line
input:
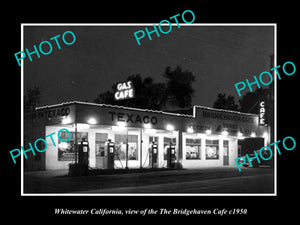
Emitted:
<point x="147" y="126"/>
<point x="63" y="145"/>
<point x="118" y="128"/>
<point x="253" y="134"/>
<point x="208" y="131"/>
<point x="121" y="124"/>
<point x="170" y="127"/>
<point x="225" y="132"/>
<point x="266" y="136"/>
<point x="66" y="120"/>
<point x="239" y="134"/>
<point x="150" y="131"/>
<point x="92" y="121"/>
<point x="190" y="130"/>
<point x="198" y="135"/>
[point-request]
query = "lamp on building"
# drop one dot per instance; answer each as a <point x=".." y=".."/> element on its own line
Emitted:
<point x="208" y="131"/>
<point x="170" y="127"/>
<point x="92" y="121"/>
<point x="66" y="120"/>
<point x="266" y="137"/>
<point x="224" y="132"/>
<point x="150" y="131"/>
<point x="190" y="130"/>
<point x="240" y="135"/>
<point x="121" y="126"/>
<point x="147" y="126"/>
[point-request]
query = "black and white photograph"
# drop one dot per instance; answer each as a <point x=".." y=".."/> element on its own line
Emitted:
<point x="150" y="111"/>
<point x="180" y="113"/>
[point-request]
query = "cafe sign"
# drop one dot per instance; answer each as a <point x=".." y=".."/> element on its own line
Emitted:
<point x="262" y="114"/>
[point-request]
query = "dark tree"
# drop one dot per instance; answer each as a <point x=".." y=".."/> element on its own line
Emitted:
<point x="106" y="97"/>
<point x="31" y="99"/>
<point x="249" y="102"/>
<point x="147" y="94"/>
<point x="224" y="102"/>
<point x="177" y="90"/>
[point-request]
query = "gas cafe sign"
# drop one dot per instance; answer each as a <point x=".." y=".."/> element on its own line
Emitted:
<point x="125" y="90"/>
<point x="262" y="113"/>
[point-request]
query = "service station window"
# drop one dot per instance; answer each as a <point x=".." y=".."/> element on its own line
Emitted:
<point x="66" y="150"/>
<point x="101" y="138"/>
<point x="151" y="140"/>
<point x="120" y="144"/>
<point x="212" y="149"/>
<point x="193" y="149"/>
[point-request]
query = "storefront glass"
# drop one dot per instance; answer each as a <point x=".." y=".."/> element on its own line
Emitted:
<point x="167" y="142"/>
<point x="212" y="149"/>
<point x="120" y="144"/>
<point x="193" y="149"/>
<point x="152" y="139"/>
<point x="66" y="150"/>
<point x="101" y="138"/>
<point x="225" y="152"/>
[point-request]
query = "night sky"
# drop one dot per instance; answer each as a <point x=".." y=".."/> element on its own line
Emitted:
<point x="219" y="57"/>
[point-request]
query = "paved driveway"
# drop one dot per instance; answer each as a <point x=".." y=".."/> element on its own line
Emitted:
<point x="205" y="180"/>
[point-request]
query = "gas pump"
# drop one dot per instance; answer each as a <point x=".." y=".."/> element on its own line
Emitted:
<point x="171" y="156"/>
<point x="110" y="154"/>
<point x="83" y="154"/>
<point x="153" y="154"/>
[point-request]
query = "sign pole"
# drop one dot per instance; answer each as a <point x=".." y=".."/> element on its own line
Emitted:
<point x="141" y="147"/>
<point x="126" y="167"/>
<point x="76" y="146"/>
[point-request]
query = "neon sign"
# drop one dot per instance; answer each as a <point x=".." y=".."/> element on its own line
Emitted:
<point x="262" y="114"/>
<point x="125" y="90"/>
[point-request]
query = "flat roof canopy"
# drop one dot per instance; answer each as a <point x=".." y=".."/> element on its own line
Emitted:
<point x="203" y="118"/>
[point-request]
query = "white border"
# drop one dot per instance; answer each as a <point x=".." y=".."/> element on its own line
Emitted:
<point x="275" y="109"/>
<point x="22" y="112"/>
<point x="149" y="24"/>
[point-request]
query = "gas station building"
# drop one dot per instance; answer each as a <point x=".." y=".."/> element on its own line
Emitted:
<point x="209" y="137"/>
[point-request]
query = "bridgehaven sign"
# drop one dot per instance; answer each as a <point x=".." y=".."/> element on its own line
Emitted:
<point x="242" y="160"/>
<point x="224" y="116"/>
<point x="40" y="145"/>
